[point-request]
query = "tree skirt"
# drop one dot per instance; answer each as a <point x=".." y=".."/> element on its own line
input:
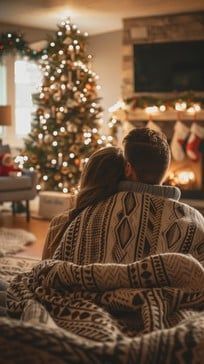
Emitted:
<point x="14" y="240"/>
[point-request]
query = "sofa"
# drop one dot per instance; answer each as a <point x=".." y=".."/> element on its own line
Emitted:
<point x="18" y="188"/>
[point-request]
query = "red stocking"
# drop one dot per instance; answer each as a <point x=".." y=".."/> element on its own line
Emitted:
<point x="194" y="142"/>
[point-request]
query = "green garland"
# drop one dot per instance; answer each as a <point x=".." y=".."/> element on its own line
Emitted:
<point x="14" y="42"/>
<point x="190" y="98"/>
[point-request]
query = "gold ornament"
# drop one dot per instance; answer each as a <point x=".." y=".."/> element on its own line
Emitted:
<point x="77" y="162"/>
<point x="48" y="138"/>
<point x="64" y="170"/>
<point x="67" y="40"/>
<point x="57" y="177"/>
<point x="33" y="159"/>
<point x="77" y="95"/>
<point x="88" y="86"/>
<point x="71" y="128"/>
<point x="63" y="78"/>
<point x="60" y="115"/>
<point x="40" y="111"/>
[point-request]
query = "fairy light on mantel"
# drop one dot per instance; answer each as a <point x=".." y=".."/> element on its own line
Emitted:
<point x="194" y="109"/>
<point x="181" y="106"/>
<point x="151" y="110"/>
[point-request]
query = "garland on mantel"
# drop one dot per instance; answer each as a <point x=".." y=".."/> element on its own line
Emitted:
<point x="187" y="101"/>
<point x="11" y="42"/>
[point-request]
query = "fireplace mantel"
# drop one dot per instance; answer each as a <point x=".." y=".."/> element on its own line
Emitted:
<point x="142" y="115"/>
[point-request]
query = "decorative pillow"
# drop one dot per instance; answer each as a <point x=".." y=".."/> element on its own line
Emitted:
<point x="7" y="166"/>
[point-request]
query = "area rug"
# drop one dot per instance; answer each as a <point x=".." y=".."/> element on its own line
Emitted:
<point x="14" y="240"/>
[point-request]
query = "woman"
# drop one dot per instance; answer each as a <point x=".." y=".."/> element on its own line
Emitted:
<point x="99" y="180"/>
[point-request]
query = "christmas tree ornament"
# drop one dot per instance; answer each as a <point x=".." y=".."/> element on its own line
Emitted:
<point x="71" y="128"/>
<point x="64" y="170"/>
<point x="40" y="111"/>
<point x="57" y="177"/>
<point x="63" y="78"/>
<point x="48" y="138"/>
<point x="67" y="41"/>
<point x="60" y="115"/>
<point x="33" y="159"/>
<point x="181" y="132"/>
<point x="77" y="162"/>
<point x="195" y="140"/>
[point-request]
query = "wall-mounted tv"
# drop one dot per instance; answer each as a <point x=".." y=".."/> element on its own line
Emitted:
<point x="168" y="67"/>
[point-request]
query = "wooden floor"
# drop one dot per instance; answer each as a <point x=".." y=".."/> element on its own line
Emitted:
<point x="36" y="226"/>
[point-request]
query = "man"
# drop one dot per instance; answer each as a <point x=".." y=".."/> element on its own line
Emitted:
<point x="143" y="219"/>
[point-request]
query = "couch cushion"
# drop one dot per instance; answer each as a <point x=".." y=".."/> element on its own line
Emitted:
<point x="15" y="183"/>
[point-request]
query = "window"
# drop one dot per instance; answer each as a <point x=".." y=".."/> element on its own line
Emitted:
<point x="28" y="79"/>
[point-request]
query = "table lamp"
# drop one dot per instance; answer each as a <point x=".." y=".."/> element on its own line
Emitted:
<point x="5" y="116"/>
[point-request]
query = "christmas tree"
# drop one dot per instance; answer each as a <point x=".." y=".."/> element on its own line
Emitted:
<point x="65" y="127"/>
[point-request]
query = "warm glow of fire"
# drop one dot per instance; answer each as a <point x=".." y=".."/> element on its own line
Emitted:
<point x="182" y="178"/>
<point x="185" y="177"/>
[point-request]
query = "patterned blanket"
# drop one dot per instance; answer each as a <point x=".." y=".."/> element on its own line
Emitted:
<point x="150" y="311"/>
<point x="130" y="226"/>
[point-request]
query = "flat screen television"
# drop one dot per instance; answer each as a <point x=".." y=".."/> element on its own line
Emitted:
<point x="168" y="67"/>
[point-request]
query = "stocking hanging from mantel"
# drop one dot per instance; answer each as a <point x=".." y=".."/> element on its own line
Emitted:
<point x="181" y="133"/>
<point x="195" y="141"/>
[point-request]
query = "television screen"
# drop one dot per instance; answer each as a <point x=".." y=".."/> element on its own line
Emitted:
<point x="167" y="67"/>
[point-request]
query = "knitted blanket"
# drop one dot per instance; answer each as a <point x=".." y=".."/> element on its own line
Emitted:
<point x="150" y="311"/>
<point x="130" y="226"/>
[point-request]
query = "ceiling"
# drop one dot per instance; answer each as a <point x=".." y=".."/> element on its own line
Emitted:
<point x="93" y="16"/>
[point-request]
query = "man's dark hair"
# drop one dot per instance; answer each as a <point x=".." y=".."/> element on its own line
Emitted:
<point x="149" y="154"/>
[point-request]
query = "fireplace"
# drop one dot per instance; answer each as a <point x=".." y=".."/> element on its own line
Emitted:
<point x="159" y="33"/>
<point x="188" y="176"/>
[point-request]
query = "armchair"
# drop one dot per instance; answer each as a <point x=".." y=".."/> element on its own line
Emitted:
<point x="18" y="188"/>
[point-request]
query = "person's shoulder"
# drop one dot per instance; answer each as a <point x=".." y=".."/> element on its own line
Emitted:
<point x="60" y="218"/>
<point x="188" y="210"/>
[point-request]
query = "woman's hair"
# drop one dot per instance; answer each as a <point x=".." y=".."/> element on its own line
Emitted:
<point x="100" y="178"/>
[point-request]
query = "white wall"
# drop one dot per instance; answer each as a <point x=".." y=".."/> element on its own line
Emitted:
<point x="106" y="50"/>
